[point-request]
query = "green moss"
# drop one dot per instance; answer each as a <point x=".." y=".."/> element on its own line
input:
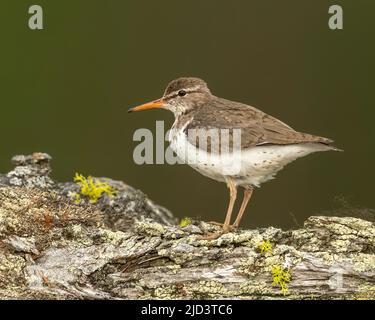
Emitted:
<point x="281" y="277"/>
<point x="92" y="188"/>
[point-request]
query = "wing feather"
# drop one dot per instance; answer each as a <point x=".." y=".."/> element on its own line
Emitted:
<point x="257" y="127"/>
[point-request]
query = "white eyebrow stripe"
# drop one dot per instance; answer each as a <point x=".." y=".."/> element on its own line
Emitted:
<point x="175" y="93"/>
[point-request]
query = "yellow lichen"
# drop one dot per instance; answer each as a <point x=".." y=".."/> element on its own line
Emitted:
<point x="185" y="222"/>
<point x="281" y="277"/>
<point x="265" y="246"/>
<point x="92" y="188"/>
<point x="77" y="197"/>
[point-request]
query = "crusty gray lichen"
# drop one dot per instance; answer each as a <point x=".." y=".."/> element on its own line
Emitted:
<point x="128" y="247"/>
<point x="31" y="171"/>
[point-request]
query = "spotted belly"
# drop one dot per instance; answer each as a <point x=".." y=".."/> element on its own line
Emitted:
<point x="249" y="167"/>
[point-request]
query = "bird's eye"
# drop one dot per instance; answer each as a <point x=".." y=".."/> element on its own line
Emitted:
<point x="182" y="93"/>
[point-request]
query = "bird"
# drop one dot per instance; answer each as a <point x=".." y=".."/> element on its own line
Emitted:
<point x="257" y="145"/>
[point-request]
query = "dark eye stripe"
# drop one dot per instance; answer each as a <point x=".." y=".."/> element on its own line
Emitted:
<point x="176" y="94"/>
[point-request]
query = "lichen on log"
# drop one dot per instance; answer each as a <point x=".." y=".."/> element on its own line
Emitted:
<point x="127" y="247"/>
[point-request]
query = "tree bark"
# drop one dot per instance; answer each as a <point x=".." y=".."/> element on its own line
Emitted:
<point x="127" y="247"/>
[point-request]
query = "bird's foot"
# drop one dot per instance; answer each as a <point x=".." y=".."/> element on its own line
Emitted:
<point x="219" y="224"/>
<point x="215" y="235"/>
<point x="215" y="223"/>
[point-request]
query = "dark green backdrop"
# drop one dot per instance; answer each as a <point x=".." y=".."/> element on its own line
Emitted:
<point x="65" y="90"/>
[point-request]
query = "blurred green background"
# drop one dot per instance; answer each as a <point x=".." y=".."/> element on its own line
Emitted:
<point x="65" y="91"/>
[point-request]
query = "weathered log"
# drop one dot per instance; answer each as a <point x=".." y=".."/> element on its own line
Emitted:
<point x="127" y="247"/>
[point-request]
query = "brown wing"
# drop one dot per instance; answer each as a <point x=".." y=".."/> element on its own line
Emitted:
<point x="257" y="127"/>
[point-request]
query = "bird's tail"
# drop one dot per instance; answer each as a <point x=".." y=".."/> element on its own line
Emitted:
<point x="330" y="147"/>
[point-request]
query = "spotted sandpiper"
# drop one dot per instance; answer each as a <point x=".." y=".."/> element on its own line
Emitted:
<point x="266" y="143"/>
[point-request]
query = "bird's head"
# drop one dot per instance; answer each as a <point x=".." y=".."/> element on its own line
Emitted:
<point x="181" y="95"/>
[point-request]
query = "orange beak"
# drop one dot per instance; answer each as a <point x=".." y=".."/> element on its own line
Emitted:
<point x="157" y="104"/>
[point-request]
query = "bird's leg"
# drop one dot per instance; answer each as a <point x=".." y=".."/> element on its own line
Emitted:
<point x="233" y="195"/>
<point x="246" y="197"/>
<point x="226" y="226"/>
